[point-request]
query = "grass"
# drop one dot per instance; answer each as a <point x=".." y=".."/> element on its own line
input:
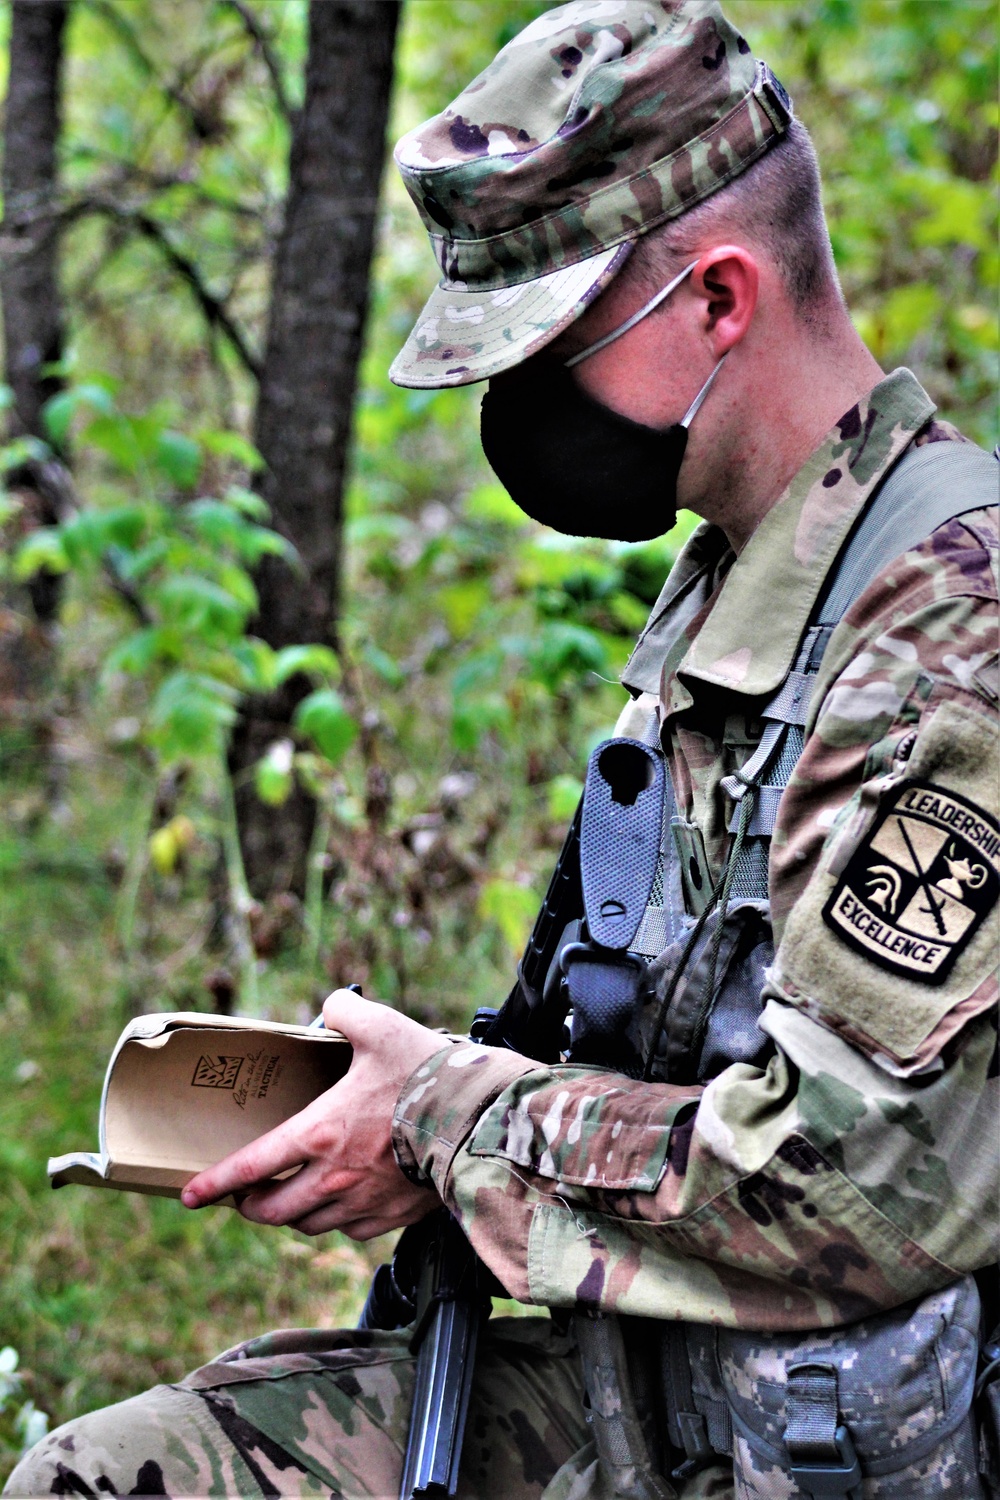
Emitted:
<point x="106" y="1294"/>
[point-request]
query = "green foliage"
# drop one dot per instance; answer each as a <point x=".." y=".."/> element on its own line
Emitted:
<point x="900" y="97"/>
<point x="512" y="907"/>
<point x="324" y="718"/>
<point x="273" y="773"/>
<point x="105" y="1294"/>
<point x="182" y="565"/>
<point x="315" y="660"/>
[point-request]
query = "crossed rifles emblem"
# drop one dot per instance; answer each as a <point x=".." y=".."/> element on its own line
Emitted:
<point x="918" y="887"/>
<point x="885" y="884"/>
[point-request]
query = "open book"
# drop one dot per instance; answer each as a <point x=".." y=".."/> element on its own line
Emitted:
<point x="184" y="1089"/>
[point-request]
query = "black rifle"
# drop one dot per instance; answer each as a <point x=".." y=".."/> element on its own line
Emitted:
<point x="435" y="1276"/>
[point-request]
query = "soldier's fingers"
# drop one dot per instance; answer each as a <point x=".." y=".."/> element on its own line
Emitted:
<point x="362" y="1219"/>
<point x="278" y="1151"/>
<point x="312" y="1187"/>
<point x="334" y="1216"/>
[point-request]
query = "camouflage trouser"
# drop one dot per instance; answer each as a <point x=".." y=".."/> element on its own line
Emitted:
<point x="319" y="1413"/>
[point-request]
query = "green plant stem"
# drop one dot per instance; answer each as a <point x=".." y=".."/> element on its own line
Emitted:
<point x="240" y="900"/>
<point x="314" y="884"/>
<point x="134" y="871"/>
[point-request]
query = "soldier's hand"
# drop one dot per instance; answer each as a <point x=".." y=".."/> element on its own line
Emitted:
<point x="347" y="1175"/>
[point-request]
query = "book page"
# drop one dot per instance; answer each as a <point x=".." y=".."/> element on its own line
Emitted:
<point x="180" y="1102"/>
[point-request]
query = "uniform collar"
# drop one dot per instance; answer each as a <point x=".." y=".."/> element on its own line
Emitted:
<point x="748" y="640"/>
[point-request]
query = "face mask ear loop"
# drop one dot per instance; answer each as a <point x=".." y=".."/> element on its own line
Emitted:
<point x="693" y="409"/>
<point x="636" y="317"/>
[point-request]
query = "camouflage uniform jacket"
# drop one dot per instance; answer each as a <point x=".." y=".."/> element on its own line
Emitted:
<point x="857" y="1170"/>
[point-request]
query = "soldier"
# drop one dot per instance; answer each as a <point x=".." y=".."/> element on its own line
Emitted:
<point x="785" y="1215"/>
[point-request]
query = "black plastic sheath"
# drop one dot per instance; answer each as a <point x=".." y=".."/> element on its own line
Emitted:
<point x="528" y="1021"/>
<point x="453" y="1300"/>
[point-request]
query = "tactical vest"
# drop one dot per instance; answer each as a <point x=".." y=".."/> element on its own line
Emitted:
<point x="881" y="1408"/>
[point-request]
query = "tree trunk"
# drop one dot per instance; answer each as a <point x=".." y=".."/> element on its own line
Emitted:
<point x="32" y="317"/>
<point x="318" y="305"/>
<point x="32" y="326"/>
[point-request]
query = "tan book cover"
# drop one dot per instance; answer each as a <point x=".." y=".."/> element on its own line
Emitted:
<point x="185" y="1089"/>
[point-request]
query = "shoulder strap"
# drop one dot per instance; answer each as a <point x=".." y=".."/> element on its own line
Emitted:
<point x="929" y="486"/>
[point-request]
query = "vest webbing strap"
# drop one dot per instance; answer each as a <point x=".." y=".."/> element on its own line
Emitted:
<point x="929" y="486"/>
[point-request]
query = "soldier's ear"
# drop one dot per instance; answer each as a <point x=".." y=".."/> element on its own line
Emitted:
<point x="726" y="280"/>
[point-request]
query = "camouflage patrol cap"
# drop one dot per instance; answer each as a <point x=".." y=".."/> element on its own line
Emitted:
<point x="599" y="121"/>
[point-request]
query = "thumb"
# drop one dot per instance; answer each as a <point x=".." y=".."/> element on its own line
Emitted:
<point x="348" y="1012"/>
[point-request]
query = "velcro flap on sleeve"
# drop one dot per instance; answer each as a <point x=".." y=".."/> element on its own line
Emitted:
<point x="583" y="1130"/>
<point x="893" y="942"/>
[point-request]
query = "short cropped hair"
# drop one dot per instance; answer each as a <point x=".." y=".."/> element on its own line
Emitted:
<point x="776" y="205"/>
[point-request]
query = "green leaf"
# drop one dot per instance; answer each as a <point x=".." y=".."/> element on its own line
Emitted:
<point x="137" y="653"/>
<point x="137" y="565"/>
<point x="84" y="538"/>
<point x="255" y="659"/>
<point x="961" y="214"/>
<point x="124" y="526"/>
<point x="89" y="534"/>
<point x="564" y="794"/>
<point x="190" y="715"/>
<point x="463" y="603"/>
<point x="383" y="665"/>
<point x="216" y="522"/>
<point x="239" y="583"/>
<point x="247" y="502"/>
<point x="491" y="502"/>
<point x="314" y="660"/>
<point x="200" y="605"/>
<point x="474" y="717"/>
<point x="232" y="445"/>
<point x="179" y="457"/>
<point x="323" y="717"/>
<point x="511" y="908"/>
<point x="273" y="773"/>
<point x="22" y="450"/>
<point x="224" y="526"/>
<point x="119" y="438"/>
<point x="480" y="669"/>
<point x="907" y="312"/>
<point x="59" y="411"/>
<point x="42" y="549"/>
<point x="261" y="541"/>
<point x="563" y="650"/>
<point x="9" y="508"/>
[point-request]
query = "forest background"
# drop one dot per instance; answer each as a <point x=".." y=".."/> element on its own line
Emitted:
<point x="278" y="712"/>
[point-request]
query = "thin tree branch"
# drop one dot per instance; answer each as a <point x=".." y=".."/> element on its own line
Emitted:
<point x="129" y="173"/>
<point x="201" y="126"/>
<point x="125" y="591"/>
<point x="270" y="59"/>
<point x="213" y="308"/>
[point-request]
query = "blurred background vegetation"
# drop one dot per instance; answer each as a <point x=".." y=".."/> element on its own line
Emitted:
<point x="423" y="733"/>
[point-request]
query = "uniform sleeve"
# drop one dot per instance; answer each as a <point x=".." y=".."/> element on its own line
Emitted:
<point x="858" y="1169"/>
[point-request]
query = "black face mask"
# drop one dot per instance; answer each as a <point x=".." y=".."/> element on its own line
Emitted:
<point x="576" y="465"/>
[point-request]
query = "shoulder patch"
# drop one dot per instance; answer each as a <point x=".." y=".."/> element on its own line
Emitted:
<point x="918" y="888"/>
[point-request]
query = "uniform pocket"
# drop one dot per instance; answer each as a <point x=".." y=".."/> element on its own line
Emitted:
<point x="904" y="1388"/>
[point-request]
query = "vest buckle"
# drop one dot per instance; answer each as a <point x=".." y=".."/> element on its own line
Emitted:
<point x="832" y="1479"/>
<point x="823" y="1459"/>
